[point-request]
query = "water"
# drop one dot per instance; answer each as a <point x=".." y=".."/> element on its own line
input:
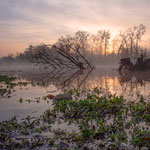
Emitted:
<point x="128" y="84"/>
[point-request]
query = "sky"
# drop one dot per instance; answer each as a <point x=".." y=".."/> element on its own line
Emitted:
<point x="31" y="22"/>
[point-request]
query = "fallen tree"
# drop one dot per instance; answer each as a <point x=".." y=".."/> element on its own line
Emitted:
<point x="142" y="63"/>
<point x="68" y="52"/>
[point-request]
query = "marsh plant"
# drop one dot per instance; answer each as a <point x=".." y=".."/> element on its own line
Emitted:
<point x="8" y="84"/>
<point x="89" y="121"/>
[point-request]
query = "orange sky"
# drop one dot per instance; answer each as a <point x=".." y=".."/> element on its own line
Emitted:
<point x="25" y="22"/>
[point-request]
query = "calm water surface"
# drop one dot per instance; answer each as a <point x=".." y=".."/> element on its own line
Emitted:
<point x="128" y="84"/>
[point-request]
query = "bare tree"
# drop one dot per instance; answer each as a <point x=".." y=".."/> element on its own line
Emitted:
<point x="67" y="52"/>
<point x="74" y="48"/>
<point x="104" y="37"/>
<point x="130" y="40"/>
<point x="81" y="37"/>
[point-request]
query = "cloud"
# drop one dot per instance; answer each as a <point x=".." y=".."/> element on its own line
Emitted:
<point x="28" y="21"/>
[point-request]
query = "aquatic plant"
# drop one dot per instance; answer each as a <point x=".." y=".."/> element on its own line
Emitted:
<point x="97" y="122"/>
<point x="7" y="85"/>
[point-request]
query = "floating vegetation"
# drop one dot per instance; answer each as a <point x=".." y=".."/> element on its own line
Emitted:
<point x="6" y="79"/>
<point x="95" y="122"/>
<point x="7" y="85"/>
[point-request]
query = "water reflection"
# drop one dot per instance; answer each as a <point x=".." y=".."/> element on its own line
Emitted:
<point x="128" y="84"/>
<point x="139" y="78"/>
<point x="135" y="83"/>
<point x="81" y="79"/>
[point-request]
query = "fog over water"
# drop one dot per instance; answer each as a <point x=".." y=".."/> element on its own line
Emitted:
<point x="75" y="74"/>
<point x="128" y="84"/>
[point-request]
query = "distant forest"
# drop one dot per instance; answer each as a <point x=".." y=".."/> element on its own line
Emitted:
<point x="99" y="48"/>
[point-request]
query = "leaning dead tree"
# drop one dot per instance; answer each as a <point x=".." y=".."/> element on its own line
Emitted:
<point x="68" y="52"/>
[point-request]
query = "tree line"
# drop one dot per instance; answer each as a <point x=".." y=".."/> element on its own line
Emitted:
<point x="84" y="50"/>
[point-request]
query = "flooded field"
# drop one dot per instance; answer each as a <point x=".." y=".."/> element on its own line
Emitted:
<point x="130" y="85"/>
<point x="108" y="109"/>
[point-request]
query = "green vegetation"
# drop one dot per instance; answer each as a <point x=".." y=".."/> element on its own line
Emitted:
<point x="7" y="85"/>
<point x="6" y="79"/>
<point x="97" y="123"/>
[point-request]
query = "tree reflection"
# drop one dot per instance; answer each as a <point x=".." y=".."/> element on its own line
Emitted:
<point x="127" y="84"/>
<point x="61" y="79"/>
<point x="135" y="83"/>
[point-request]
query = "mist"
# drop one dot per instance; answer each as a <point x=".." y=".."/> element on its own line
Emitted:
<point x="84" y="90"/>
